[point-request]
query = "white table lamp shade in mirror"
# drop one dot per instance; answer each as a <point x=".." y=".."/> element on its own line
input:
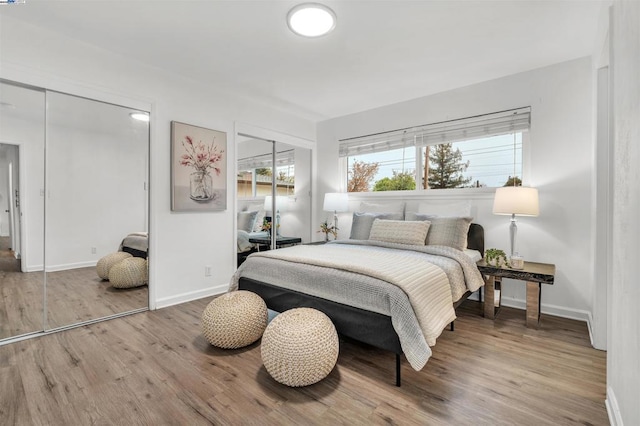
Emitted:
<point x="516" y="200"/>
<point x="336" y="202"/>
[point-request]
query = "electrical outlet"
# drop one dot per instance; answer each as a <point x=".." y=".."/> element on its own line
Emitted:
<point x="93" y="250"/>
<point x="207" y="271"/>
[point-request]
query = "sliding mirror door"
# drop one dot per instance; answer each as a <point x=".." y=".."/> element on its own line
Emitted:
<point x="22" y="142"/>
<point x="97" y="204"/>
<point x="258" y="179"/>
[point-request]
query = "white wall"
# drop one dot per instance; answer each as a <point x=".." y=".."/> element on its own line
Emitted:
<point x="558" y="161"/>
<point x="623" y="356"/>
<point x="181" y="244"/>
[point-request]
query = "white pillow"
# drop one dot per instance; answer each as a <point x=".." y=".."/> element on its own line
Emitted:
<point x="446" y="208"/>
<point x="400" y="231"/>
<point x="247" y="221"/>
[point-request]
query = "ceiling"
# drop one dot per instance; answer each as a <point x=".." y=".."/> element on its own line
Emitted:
<point x="381" y="52"/>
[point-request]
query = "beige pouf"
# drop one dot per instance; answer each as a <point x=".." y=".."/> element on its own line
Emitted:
<point x="235" y="319"/>
<point x="106" y="263"/>
<point x="130" y="272"/>
<point x="300" y="347"/>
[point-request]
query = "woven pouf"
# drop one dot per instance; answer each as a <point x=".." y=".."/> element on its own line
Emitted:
<point x="106" y="263"/>
<point x="234" y="320"/>
<point x="300" y="347"/>
<point x="130" y="272"/>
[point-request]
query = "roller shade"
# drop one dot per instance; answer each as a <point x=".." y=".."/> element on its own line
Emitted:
<point x="481" y="126"/>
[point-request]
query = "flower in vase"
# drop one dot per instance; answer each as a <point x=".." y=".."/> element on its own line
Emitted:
<point x="200" y="156"/>
<point x="327" y="229"/>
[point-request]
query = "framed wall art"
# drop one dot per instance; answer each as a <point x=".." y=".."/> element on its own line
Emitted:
<point x="198" y="168"/>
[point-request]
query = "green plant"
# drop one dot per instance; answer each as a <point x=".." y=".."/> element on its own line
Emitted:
<point x="497" y="257"/>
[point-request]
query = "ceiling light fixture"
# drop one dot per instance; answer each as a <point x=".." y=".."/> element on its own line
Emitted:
<point x="311" y="20"/>
<point x="140" y="116"/>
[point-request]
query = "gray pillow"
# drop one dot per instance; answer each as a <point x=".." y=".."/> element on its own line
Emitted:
<point x="445" y="231"/>
<point x="361" y="225"/>
<point x="246" y="221"/>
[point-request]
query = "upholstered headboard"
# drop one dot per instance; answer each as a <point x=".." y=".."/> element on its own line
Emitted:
<point x="475" y="238"/>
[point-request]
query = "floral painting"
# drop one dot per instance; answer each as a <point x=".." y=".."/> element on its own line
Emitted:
<point x="198" y="168"/>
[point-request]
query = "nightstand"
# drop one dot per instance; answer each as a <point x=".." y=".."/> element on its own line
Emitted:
<point x="534" y="274"/>
<point x="280" y="242"/>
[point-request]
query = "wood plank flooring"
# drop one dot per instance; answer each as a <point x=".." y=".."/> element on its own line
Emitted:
<point x="73" y="296"/>
<point x="155" y="368"/>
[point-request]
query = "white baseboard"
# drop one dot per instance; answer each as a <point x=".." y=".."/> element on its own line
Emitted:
<point x="557" y="311"/>
<point x="613" y="411"/>
<point x="193" y="295"/>
<point x="67" y="266"/>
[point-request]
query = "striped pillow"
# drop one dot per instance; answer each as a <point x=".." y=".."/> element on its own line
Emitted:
<point x="445" y="231"/>
<point x="400" y="231"/>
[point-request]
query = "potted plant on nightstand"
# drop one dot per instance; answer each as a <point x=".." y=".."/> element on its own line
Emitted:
<point x="496" y="257"/>
<point x="327" y="229"/>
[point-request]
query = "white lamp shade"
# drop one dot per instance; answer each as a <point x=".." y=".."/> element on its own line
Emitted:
<point x="519" y="200"/>
<point x="336" y="202"/>
<point x="282" y="203"/>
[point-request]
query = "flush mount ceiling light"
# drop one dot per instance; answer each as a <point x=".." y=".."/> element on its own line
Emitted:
<point x="311" y="20"/>
<point x="140" y="116"/>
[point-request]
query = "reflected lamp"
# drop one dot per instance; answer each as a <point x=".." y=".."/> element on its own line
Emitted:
<point x="336" y="202"/>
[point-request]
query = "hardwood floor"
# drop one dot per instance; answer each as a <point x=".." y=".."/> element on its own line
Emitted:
<point x="73" y="296"/>
<point x="156" y="368"/>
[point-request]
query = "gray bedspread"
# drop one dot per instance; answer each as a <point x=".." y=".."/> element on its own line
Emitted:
<point x="364" y="291"/>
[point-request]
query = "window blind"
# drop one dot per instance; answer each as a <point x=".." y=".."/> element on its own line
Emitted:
<point x="486" y="125"/>
<point x="283" y="158"/>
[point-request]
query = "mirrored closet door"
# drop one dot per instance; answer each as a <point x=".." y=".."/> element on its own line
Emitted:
<point x="267" y="168"/>
<point x="96" y="177"/>
<point x="22" y="147"/>
<point x="91" y="202"/>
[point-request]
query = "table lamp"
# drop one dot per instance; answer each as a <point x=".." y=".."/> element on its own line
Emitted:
<point x="336" y="202"/>
<point x="281" y="206"/>
<point x="516" y="200"/>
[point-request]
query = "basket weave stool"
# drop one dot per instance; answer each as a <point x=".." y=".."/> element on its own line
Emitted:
<point x="106" y="263"/>
<point x="130" y="272"/>
<point x="300" y="347"/>
<point x="234" y="320"/>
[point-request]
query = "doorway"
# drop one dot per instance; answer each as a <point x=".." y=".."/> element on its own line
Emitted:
<point x="10" y="227"/>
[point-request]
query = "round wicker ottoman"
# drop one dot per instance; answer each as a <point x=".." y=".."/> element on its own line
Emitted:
<point x="130" y="272"/>
<point x="106" y="263"/>
<point x="234" y="320"/>
<point x="300" y="347"/>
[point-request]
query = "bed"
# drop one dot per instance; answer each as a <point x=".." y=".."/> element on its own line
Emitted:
<point x="352" y="281"/>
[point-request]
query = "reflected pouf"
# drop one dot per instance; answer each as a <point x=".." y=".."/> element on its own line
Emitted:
<point x="235" y="319"/>
<point x="106" y="263"/>
<point x="300" y="347"/>
<point x="130" y="272"/>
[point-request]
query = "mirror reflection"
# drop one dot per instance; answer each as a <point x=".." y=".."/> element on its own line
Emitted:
<point x="92" y="202"/>
<point x="258" y="180"/>
<point x="22" y="142"/>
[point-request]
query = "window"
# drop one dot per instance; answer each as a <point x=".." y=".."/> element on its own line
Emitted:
<point x="483" y="151"/>
<point x="254" y="175"/>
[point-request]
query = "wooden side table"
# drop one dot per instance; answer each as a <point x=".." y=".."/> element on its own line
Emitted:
<point x="534" y="274"/>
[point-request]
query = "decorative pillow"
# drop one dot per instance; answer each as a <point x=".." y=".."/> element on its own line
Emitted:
<point x="400" y="231"/>
<point x="247" y="221"/>
<point x="445" y="231"/>
<point x="362" y="222"/>
<point x="392" y="207"/>
<point x="446" y="208"/>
